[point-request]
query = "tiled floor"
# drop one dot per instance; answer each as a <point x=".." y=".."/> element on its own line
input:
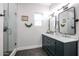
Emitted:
<point x="31" y="52"/>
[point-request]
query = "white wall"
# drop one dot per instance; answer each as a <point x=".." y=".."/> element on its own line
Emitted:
<point x="1" y="30"/>
<point x="30" y="37"/>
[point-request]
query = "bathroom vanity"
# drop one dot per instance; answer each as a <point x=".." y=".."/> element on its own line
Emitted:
<point x="56" y="45"/>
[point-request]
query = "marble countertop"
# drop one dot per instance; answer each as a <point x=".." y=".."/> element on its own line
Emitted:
<point x="61" y="38"/>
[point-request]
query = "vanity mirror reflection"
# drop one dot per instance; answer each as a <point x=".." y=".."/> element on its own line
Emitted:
<point x="67" y="21"/>
<point x="51" y="24"/>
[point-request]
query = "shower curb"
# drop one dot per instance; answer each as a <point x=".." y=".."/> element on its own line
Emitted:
<point x="13" y="52"/>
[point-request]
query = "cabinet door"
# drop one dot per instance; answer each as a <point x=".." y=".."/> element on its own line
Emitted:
<point x="70" y="49"/>
<point x="47" y="42"/>
<point x="52" y="46"/>
<point x="59" y="51"/>
<point x="59" y="48"/>
<point x="44" y="42"/>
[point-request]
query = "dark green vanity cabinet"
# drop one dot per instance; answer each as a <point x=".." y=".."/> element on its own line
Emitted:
<point x="48" y="47"/>
<point x="54" y="47"/>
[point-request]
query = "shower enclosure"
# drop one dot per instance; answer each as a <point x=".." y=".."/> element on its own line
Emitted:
<point x="9" y="35"/>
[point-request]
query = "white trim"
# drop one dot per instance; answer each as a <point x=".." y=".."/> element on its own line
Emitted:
<point x="23" y="48"/>
<point x="13" y="52"/>
<point x="29" y="47"/>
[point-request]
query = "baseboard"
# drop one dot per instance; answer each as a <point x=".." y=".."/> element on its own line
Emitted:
<point x="13" y="52"/>
<point x="29" y="47"/>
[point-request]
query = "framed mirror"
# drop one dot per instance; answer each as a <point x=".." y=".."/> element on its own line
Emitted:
<point x="67" y="21"/>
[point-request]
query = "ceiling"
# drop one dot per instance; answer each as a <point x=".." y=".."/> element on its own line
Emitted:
<point x="44" y="4"/>
<point x="49" y="5"/>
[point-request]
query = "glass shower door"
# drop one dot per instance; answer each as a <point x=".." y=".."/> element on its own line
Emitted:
<point x="5" y="33"/>
<point x="9" y="35"/>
